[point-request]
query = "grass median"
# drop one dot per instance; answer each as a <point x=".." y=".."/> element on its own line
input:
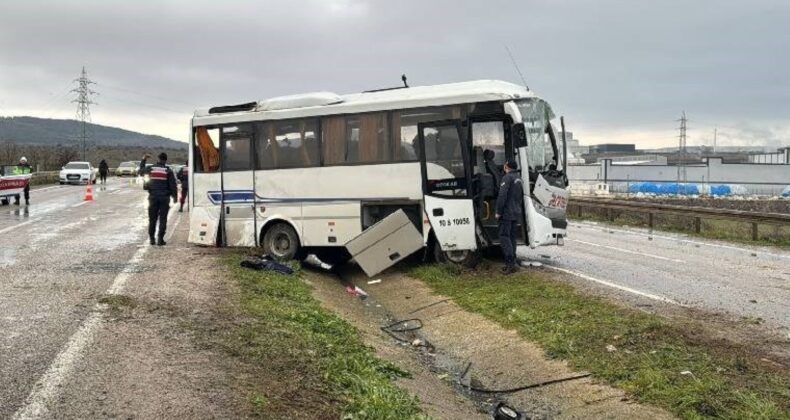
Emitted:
<point x="659" y="362"/>
<point x="313" y="364"/>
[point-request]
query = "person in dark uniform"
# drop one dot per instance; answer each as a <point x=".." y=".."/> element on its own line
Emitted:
<point x="508" y="212"/>
<point x="103" y="169"/>
<point x="183" y="177"/>
<point x="23" y="168"/>
<point x="161" y="188"/>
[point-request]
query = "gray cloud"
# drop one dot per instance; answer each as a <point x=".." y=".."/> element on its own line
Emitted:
<point x="609" y="66"/>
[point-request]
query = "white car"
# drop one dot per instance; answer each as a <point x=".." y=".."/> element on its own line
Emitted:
<point x="128" y="169"/>
<point x="77" y="173"/>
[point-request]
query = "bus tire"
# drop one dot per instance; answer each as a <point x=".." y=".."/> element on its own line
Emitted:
<point x="466" y="258"/>
<point x="281" y="242"/>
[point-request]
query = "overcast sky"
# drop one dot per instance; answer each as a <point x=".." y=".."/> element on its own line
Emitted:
<point x="620" y="71"/>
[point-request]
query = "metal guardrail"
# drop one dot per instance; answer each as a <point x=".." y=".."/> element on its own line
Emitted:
<point x="698" y="213"/>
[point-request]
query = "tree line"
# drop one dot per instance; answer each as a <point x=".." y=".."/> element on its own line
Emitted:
<point x="52" y="158"/>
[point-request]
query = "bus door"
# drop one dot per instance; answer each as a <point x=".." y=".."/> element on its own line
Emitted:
<point x="444" y="162"/>
<point x="491" y="147"/>
<point x="237" y="201"/>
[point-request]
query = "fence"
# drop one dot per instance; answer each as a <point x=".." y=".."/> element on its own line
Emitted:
<point x="743" y="178"/>
<point x="577" y="205"/>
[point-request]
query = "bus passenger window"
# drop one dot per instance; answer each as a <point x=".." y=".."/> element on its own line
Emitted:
<point x="237" y="154"/>
<point x="404" y="129"/>
<point x="356" y="139"/>
<point x="206" y="150"/>
<point x="286" y="144"/>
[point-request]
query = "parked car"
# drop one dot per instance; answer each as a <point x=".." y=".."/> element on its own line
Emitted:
<point x="77" y="173"/>
<point x="129" y="168"/>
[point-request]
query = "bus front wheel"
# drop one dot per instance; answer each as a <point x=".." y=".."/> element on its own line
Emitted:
<point x="466" y="258"/>
<point x="281" y="242"/>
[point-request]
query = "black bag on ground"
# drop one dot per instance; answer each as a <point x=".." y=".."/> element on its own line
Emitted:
<point x="265" y="264"/>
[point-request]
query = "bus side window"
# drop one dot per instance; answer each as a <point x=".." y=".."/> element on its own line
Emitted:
<point x="352" y="139"/>
<point x="286" y="144"/>
<point x="206" y="150"/>
<point x="404" y="129"/>
<point x="237" y="154"/>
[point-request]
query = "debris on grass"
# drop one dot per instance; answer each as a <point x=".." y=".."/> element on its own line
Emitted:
<point x="311" y="363"/>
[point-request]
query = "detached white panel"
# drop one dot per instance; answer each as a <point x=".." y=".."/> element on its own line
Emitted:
<point x="385" y="243"/>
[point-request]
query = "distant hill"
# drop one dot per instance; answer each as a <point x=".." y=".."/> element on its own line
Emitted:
<point x="49" y="132"/>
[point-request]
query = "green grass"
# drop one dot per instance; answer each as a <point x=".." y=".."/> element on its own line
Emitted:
<point x="728" y="230"/>
<point x="651" y="354"/>
<point x="314" y="360"/>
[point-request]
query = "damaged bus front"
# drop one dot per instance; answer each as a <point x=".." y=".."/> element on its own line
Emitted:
<point x="543" y="154"/>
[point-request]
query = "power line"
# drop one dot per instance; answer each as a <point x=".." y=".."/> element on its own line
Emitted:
<point x="161" y="98"/>
<point x="140" y="104"/>
<point x="84" y="102"/>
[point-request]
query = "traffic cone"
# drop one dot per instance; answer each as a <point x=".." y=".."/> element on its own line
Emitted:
<point x="89" y="192"/>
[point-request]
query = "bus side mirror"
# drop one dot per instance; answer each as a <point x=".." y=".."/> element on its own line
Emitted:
<point x="519" y="136"/>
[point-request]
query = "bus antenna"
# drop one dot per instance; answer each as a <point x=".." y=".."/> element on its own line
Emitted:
<point x="513" y="60"/>
<point x="404" y="78"/>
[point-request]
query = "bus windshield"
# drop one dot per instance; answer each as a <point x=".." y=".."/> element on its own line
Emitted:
<point x="544" y="145"/>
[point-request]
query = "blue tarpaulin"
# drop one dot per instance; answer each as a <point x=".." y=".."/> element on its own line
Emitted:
<point x="679" y="189"/>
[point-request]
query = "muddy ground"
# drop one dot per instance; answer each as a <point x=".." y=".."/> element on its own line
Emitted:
<point x="457" y="350"/>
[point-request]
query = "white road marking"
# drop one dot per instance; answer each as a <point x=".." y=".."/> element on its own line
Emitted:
<point x="689" y="241"/>
<point x="49" y="386"/>
<point x="81" y="203"/>
<point x="172" y="230"/>
<point x="616" y="286"/>
<point x="45" y="188"/>
<point x="18" y="225"/>
<point x="627" y="251"/>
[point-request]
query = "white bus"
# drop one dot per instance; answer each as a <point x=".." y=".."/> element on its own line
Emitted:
<point x="308" y="173"/>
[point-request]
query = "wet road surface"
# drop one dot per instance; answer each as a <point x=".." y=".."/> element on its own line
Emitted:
<point x="59" y="255"/>
<point x="745" y="281"/>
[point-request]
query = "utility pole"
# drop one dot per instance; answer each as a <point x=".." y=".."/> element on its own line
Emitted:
<point x="84" y="102"/>
<point x="682" y="151"/>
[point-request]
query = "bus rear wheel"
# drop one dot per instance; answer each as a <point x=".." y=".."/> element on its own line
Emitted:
<point x="281" y="242"/>
<point x="466" y="258"/>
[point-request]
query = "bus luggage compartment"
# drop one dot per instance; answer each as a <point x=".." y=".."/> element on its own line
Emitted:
<point x="385" y="243"/>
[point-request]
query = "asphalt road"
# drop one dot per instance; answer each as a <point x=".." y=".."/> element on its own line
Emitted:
<point x="716" y="276"/>
<point x="58" y="256"/>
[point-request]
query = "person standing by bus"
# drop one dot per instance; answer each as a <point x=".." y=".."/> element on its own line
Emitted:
<point x="103" y="169"/>
<point x="183" y="177"/>
<point x="508" y="212"/>
<point x="23" y="168"/>
<point x="161" y="188"/>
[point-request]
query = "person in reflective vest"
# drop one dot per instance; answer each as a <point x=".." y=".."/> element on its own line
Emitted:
<point x="161" y="186"/>
<point x="23" y="169"/>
